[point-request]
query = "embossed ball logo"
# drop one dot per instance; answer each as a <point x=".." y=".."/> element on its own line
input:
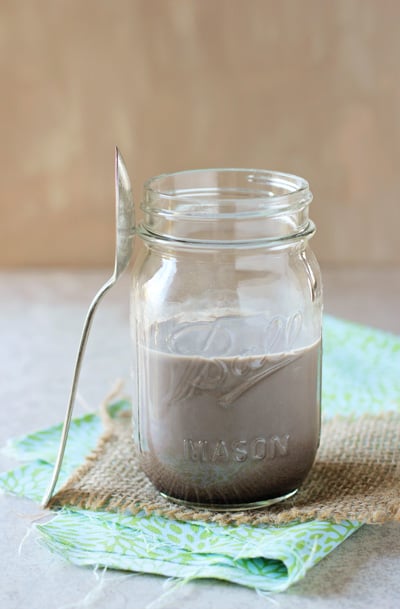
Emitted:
<point x="226" y="376"/>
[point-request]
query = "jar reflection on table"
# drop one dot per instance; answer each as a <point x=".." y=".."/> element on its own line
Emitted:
<point x="226" y="322"/>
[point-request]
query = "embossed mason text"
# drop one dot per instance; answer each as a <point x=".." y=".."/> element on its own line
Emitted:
<point x="221" y="451"/>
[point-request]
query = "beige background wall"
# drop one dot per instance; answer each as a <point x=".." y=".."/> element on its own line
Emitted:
<point x="305" y="86"/>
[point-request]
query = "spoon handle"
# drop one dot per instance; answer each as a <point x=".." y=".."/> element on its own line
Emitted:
<point x="67" y="421"/>
<point x="125" y="221"/>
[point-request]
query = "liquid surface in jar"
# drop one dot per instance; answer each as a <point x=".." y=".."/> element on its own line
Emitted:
<point x="226" y="417"/>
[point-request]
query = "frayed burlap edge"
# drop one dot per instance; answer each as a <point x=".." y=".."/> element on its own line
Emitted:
<point x="356" y="476"/>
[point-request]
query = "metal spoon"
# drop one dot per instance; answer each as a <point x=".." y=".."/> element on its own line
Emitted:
<point x="125" y="224"/>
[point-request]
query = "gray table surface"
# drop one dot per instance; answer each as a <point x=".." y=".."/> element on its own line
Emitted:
<point x="41" y="314"/>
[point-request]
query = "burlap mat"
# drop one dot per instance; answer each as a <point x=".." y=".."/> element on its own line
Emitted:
<point x="356" y="476"/>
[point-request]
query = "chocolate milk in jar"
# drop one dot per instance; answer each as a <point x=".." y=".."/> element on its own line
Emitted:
<point x="226" y="322"/>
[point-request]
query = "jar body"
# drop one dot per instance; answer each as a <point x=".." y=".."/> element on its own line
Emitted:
<point x="227" y="367"/>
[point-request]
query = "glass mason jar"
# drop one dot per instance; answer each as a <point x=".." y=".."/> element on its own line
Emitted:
<point x="226" y="310"/>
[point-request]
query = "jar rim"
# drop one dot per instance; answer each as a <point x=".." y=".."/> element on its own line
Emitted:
<point x="271" y="191"/>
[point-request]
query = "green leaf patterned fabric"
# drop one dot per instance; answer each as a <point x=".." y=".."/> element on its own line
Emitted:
<point x="360" y="374"/>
